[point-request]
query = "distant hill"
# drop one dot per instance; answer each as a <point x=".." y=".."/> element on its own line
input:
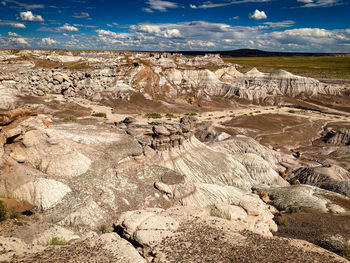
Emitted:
<point x="258" y="53"/>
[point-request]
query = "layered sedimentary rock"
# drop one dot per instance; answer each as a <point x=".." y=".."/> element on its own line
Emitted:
<point x="333" y="178"/>
<point x="256" y="85"/>
<point x="340" y="137"/>
<point x="157" y="76"/>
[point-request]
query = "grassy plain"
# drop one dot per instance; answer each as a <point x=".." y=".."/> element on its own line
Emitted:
<point x="317" y="67"/>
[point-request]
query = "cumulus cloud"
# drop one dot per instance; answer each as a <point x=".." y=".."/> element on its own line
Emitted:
<point x="65" y="28"/>
<point x="29" y="16"/>
<point x="204" y="35"/>
<point x="159" y="5"/>
<point x="13" y="34"/>
<point x="48" y="41"/>
<point x="68" y="28"/>
<point x="20" y="40"/>
<point x="258" y="15"/>
<point x="308" y="39"/>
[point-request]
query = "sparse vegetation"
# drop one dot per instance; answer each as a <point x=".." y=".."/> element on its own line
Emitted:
<point x="293" y="209"/>
<point x="191" y="114"/>
<point x="292" y="111"/>
<point x="214" y="211"/>
<point x="56" y="241"/>
<point x="104" y="229"/>
<point x="70" y="119"/>
<point x="338" y="247"/>
<point x="14" y="214"/>
<point x="317" y="67"/>
<point x="281" y="221"/>
<point x="3" y="211"/>
<point x="345" y="251"/>
<point x="153" y="115"/>
<point x="100" y="115"/>
<point x="169" y="116"/>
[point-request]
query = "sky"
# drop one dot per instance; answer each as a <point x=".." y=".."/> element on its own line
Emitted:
<point x="157" y="25"/>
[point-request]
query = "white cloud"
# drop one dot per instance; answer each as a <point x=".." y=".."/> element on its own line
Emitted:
<point x="258" y="15"/>
<point x="68" y="28"/>
<point x="210" y="4"/>
<point x="65" y="28"/>
<point x="13" y="34"/>
<point x="82" y="15"/>
<point x="172" y="33"/>
<point x="107" y="33"/>
<point x="18" y="25"/>
<point x="159" y="5"/>
<point x="319" y="3"/>
<point x="11" y="24"/>
<point x="48" y="41"/>
<point x="3" y="3"/>
<point x="24" y="5"/>
<point x="20" y="40"/>
<point x="29" y="16"/>
<point x="86" y="26"/>
<point x="285" y="23"/>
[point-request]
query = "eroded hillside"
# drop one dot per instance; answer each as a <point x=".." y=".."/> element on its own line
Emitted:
<point x="149" y="157"/>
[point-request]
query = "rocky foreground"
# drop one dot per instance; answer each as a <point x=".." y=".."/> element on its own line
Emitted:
<point x="89" y="174"/>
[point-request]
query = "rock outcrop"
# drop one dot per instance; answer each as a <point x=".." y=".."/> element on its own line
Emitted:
<point x="306" y="196"/>
<point x="332" y="178"/>
<point x="155" y="76"/>
<point x="191" y="234"/>
<point x="340" y="137"/>
<point x="255" y="85"/>
<point x="7" y="98"/>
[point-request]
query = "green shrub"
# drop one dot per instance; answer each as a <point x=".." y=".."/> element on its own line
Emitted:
<point x="191" y="114"/>
<point x="281" y="221"/>
<point x="214" y="211"/>
<point x="293" y="209"/>
<point x="70" y="119"/>
<point x="345" y="251"/>
<point x="56" y="241"/>
<point x="14" y="214"/>
<point x="100" y="115"/>
<point x="103" y="229"/>
<point x="169" y="116"/>
<point x="153" y="115"/>
<point x="3" y="211"/>
<point x="291" y="111"/>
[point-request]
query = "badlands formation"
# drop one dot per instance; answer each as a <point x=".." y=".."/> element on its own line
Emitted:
<point x="156" y="157"/>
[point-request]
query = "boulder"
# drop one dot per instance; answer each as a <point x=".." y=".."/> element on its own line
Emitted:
<point x="44" y="193"/>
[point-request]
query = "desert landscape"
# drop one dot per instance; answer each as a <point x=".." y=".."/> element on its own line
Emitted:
<point x="110" y="156"/>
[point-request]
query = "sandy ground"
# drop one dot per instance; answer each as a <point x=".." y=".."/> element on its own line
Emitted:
<point x="215" y="116"/>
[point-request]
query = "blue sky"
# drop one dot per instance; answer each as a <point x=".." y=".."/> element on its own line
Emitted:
<point x="289" y="25"/>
